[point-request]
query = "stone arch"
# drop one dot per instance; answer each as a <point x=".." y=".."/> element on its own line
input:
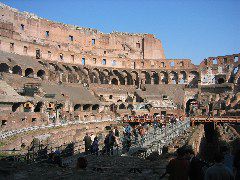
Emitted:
<point x="104" y="76"/>
<point x="122" y="106"/>
<point x="4" y="68"/>
<point x="113" y="107"/>
<point x="87" y="107"/>
<point x="155" y="77"/>
<point x="95" y="107"/>
<point x="130" y="107"/>
<point x="41" y="73"/>
<point x="173" y="77"/>
<point x="39" y="106"/>
<point x="16" y="106"/>
<point x="135" y="78"/>
<point x="190" y="106"/>
<point x="17" y="70"/>
<point x="163" y="77"/>
<point x="182" y="78"/>
<point x="114" y="81"/>
<point x="120" y="77"/>
<point x="85" y="71"/>
<point x="128" y="77"/>
<point x="220" y="80"/>
<point x="29" y="72"/>
<point x="94" y="76"/>
<point x="77" y="107"/>
<point x="193" y="78"/>
<point x="145" y="77"/>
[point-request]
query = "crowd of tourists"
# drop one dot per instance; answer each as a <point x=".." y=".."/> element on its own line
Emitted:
<point x="187" y="166"/>
<point x="128" y="136"/>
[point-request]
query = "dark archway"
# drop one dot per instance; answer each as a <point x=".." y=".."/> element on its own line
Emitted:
<point x="221" y="80"/>
<point x="4" y="68"/>
<point x="77" y="107"/>
<point x="95" y="107"/>
<point x="15" y="107"/>
<point x="191" y="106"/>
<point x="29" y="72"/>
<point x="86" y="107"/>
<point x="17" y="70"/>
<point x="38" y="107"/>
<point x="155" y="78"/>
<point x="114" y="81"/>
<point x="122" y="106"/>
<point x="41" y="74"/>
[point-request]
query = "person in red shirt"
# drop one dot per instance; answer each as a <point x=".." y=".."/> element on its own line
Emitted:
<point x="178" y="168"/>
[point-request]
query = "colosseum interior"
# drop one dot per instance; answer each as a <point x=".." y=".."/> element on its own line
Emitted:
<point x="58" y="81"/>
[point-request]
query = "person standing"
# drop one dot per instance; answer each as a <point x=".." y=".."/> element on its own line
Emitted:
<point x="178" y="168"/>
<point x="236" y="165"/>
<point x="218" y="171"/>
<point x="94" y="146"/>
<point x="87" y="140"/>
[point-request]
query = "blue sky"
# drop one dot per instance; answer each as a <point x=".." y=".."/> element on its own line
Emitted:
<point x="193" y="29"/>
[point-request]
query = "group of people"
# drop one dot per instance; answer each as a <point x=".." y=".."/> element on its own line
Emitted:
<point x="110" y="140"/>
<point x="188" y="166"/>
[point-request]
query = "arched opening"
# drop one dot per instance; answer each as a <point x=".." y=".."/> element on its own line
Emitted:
<point x="128" y="77"/>
<point x="94" y="77"/>
<point x="155" y="78"/>
<point x="87" y="107"/>
<point x="41" y="74"/>
<point x="221" y="80"/>
<point x="4" y="68"/>
<point x="15" y="107"/>
<point x="146" y="77"/>
<point x="173" y="77"/>
<point x="29" y="72"/>
<point x="17" y="70"/>
<point x="122" y="106"/>
<point x="130" y="107"/>
<point x="95" y="107"/>
<point x="191" y="107"/>
<point x="163" y="77"/>
<point x="77" y="107"/>
<point x="182" y="77"/>
<point x="38" y="107"/>
<point x="119" y="76"/>
<point x="135" y="78"/>
<point x="113" y="107"/>
<point x="114" y="81"/>
<point x="193" y="78"/>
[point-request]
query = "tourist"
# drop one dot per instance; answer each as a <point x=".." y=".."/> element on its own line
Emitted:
<point x="155" y="125"/>
<point x="128" y="129"/>
<point x="87" y="140"/>
<point x="126" y="143"/>
<point x="196" y="165"/>
<point x="135" y="134"/>
<point x="106" y="144"/>
<point x="95" y="146"/>
<point x="116" y="132"/>
<point x="218" y="171"/>
<point x="142" y="134"/>
<point x="112" y="141"/>
<point x="178" y="168"/>
<point x="228" y="158"/>
<point x="236" y="165"/>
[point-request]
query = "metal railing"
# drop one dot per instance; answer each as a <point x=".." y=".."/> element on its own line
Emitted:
<point x="62" y="123"/>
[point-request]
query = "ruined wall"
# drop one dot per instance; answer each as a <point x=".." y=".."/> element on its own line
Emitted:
<point x="61" y="42"/>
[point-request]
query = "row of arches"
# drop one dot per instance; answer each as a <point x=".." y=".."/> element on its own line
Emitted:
<point x="28" y="72"/>
<point x="74" y="74"/>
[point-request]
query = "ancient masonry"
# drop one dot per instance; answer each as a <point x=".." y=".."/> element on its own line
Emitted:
<point x="53" y="73"/>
